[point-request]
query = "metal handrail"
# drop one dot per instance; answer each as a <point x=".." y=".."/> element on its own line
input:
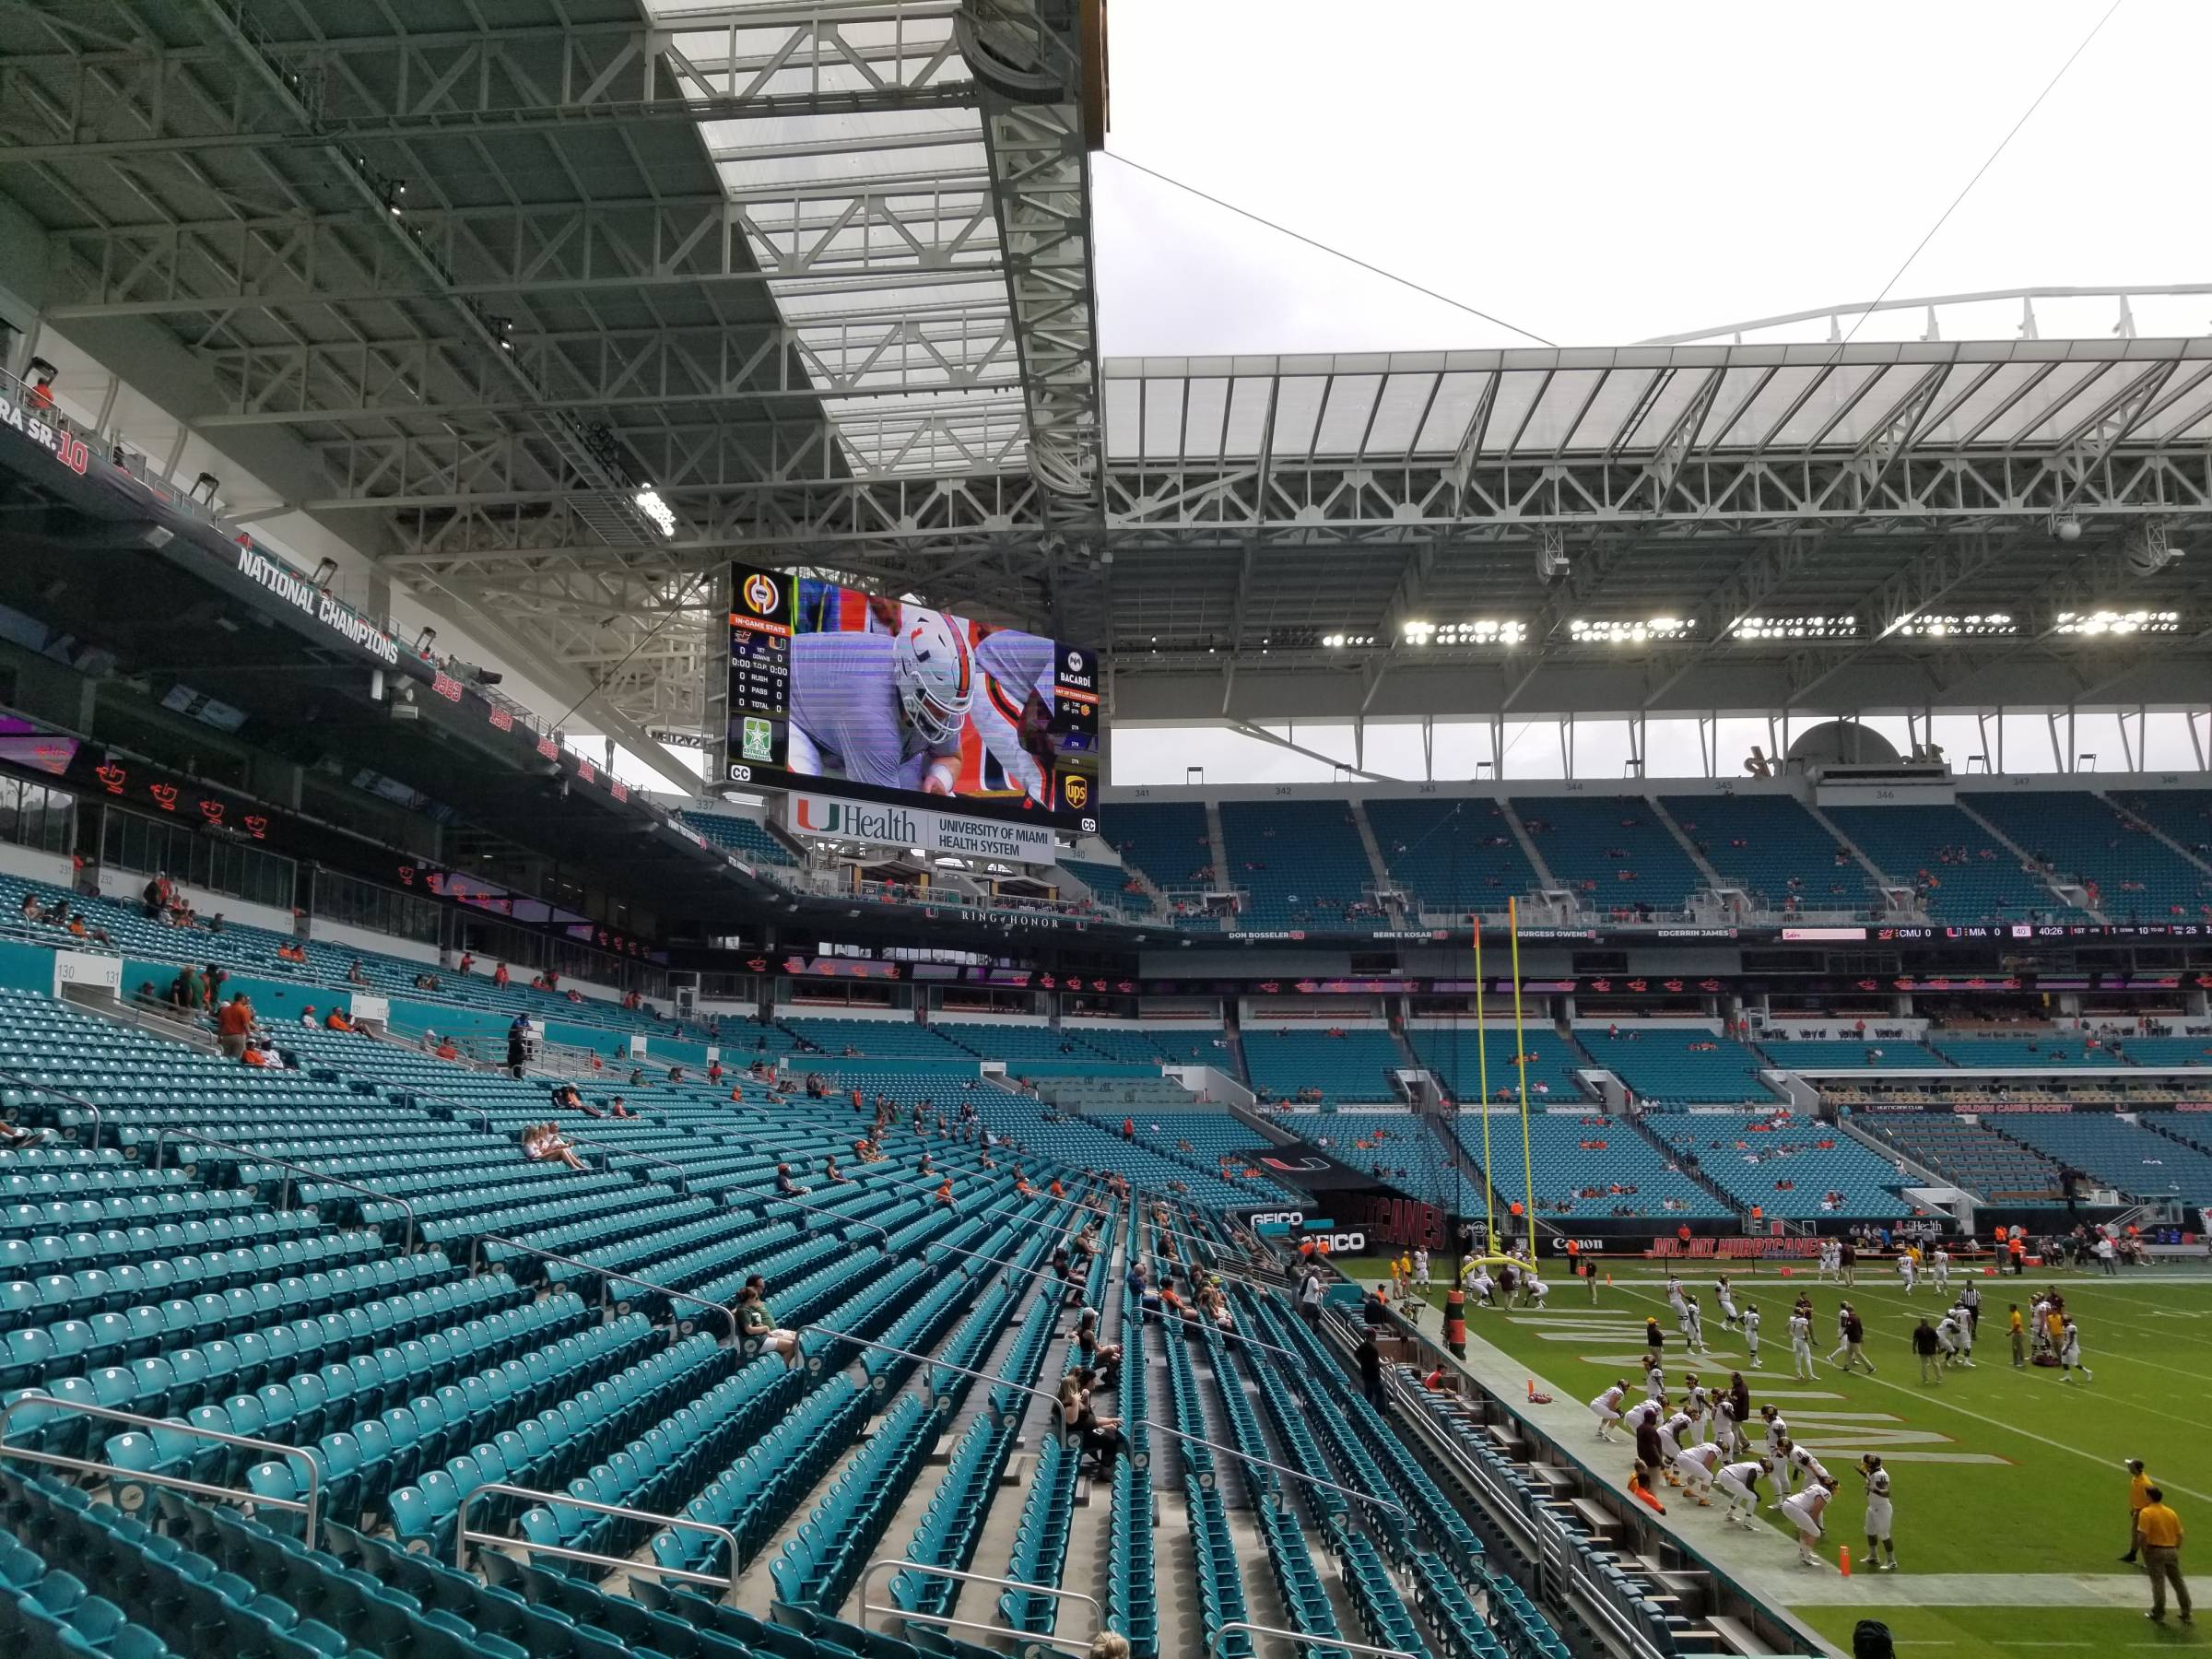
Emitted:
<point x="1010" y="1266"/>
<point x="943" y="1622"/>
<point x="612" y="1151"/>
<point x="1304" y="1639"/>
<point x="310" y="1507"/>
<point x="292" y="1170"/>
<point x="1150" y="1427"/>
<point x="779" y="1200"/>
<point x="463" y="1538"/>
<point x="476" y="1263"/>
<point x="99" y="1118"/>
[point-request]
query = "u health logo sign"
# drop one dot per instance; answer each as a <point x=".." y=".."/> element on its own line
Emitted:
<point x="833" y="817"/>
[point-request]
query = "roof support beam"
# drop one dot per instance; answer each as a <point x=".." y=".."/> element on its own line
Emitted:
<point x="1031" y="80"/>
<point x="440" y="86"/>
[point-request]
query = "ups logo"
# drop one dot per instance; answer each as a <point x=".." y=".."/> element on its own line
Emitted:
<point x="1078" y="791"/>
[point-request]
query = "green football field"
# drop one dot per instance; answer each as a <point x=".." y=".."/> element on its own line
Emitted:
<point x="1995" y="1470"/>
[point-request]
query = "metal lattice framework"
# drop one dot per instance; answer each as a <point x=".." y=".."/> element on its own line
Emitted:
<point x="821" y="273"/>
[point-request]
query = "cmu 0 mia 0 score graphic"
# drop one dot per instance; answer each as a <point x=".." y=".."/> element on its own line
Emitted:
<point x="891" y="699"/>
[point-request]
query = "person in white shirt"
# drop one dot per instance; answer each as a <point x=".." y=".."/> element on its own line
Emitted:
<point x="1804" y="1510"/>
<point x="1801" y="1465"/>
<point x="1801" y="1345"/>
<point x="1748" y="1323"/>
<point x="1696" y="1467"/>
<point x="1776" y="1432"/>
<point x="1484" y="1286"/>
<point x="1654" y="1380"/>
<point x="1675" y="1433"/>
<point x="2069" y="1354"/>
<point x="1952" y="1336"/>
<point x="1724" y="1297"/>
<point x="1939" y="1264"/>
<point x="1420" y="1269"/>
<point x="1738" y="1482"/>
<point x="1878" y="1514"/>
<point x="1727" y="1433"/>
<point x="1947" y="1342"/>
<point x="1693" y="1325"/>
<point x="1698" y="1401"/>
<point x="1674" y="1296"/>
<point x="1830" y="1256"/>
<point x="1907" y="1269"/>
<point x="1842" y="1332"/>
<point x="1606" y="1409"/>
<point x="2108" y="1256"/>
<point x="1533" y="1290"/>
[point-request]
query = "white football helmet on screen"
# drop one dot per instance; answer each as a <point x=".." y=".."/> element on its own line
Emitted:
<point x="935" y="672"/>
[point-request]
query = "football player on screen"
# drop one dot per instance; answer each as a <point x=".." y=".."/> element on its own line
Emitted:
<point x="887" y="707"/>
<point x="1013" y="717"/>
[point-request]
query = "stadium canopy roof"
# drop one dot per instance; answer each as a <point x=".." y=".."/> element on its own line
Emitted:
<point x="464" y="284"/>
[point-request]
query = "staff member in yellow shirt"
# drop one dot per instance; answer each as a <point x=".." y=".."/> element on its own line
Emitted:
<point x="2019" y="1339"/>
<point x="2138" y="1494"/>
<point x="2158" y="1532"/>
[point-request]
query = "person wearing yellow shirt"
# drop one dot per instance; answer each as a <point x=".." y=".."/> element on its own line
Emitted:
<point x="2138" y="1494"/>
<point x="2158" y="1533"/>
<point x="2018" y="1329"/>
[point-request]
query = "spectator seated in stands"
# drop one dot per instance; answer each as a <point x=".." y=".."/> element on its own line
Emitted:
<point x="14" y="1138"/>
<point x="757" y="1320"/>
<point x="543" y="1143"/>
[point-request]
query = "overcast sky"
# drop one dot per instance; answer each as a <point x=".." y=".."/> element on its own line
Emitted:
<point x="1600" y="173"/>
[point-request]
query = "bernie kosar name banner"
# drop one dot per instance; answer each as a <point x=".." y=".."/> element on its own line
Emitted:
<point x="832" y="817"/>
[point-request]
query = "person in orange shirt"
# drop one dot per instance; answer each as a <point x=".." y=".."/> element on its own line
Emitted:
<point x="499" y="975"/>
<point x="1056" y="1190"/>
<point x="256" y="1055"/>
<point x="233" y="1025"/>
<point x="1640" y="1488"/>
<point x="337" y="1021"/>
<point x="945" y="1192"/>
<point x="446" y="1050"/>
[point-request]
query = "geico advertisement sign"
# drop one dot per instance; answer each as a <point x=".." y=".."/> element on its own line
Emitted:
<point x="1279" y="1219"/>
<point x="1339" y="1243"/>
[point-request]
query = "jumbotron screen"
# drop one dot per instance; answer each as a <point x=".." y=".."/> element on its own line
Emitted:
<point x="856" y="694"/>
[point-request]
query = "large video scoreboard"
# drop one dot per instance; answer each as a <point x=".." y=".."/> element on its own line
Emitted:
<point x="835" y="690"/>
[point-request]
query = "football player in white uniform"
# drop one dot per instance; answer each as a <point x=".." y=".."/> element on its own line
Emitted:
<point x="1878" y="1514"/>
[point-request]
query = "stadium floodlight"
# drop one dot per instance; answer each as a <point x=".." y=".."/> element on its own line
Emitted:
<point x="1796" y="627"/>
<point x="1629" y="631"/>
<point x="1970" y="625"/>
<point x="1482" y="630"/>
<point x="1418" y="633"/>
<point x="2110" y="622"/>
<point x="648" y="501"/>
<point x="2065" y="526"/>
<point x="1338" y="642"/>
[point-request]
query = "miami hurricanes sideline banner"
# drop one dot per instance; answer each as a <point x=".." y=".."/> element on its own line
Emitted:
<point x="832" y="817"/>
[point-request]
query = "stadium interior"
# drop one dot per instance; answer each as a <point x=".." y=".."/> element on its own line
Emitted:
<point x="400" y="407"/>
